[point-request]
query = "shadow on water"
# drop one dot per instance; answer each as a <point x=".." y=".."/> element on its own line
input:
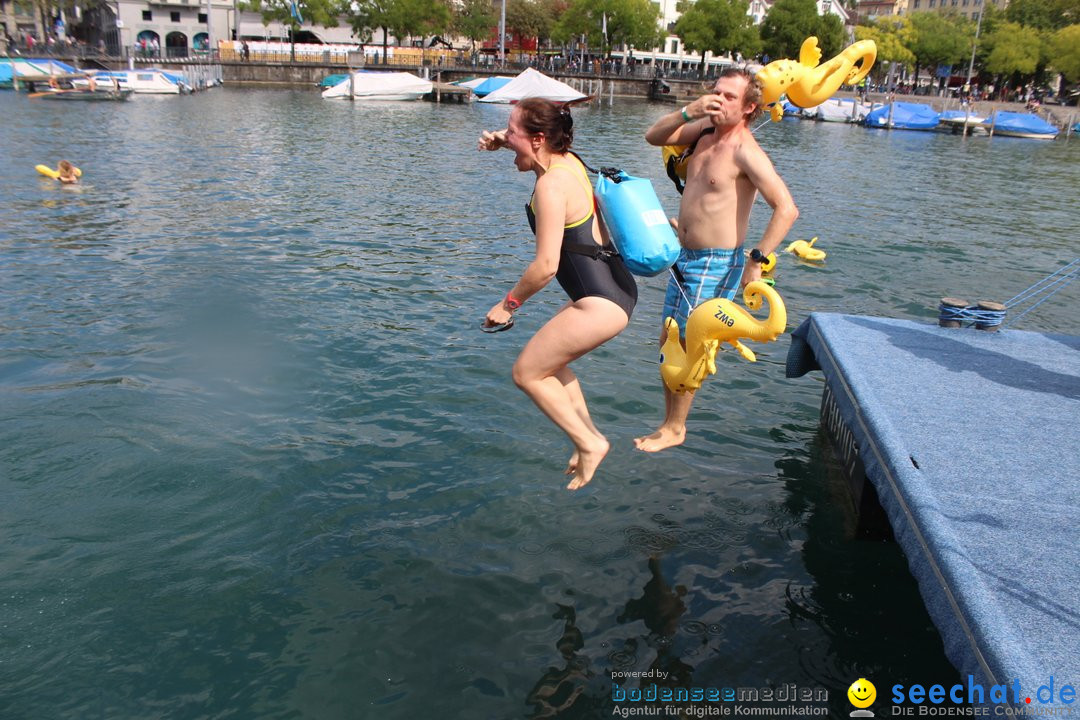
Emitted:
<point x="857" y="613"/>
<point x="862" y="597"/>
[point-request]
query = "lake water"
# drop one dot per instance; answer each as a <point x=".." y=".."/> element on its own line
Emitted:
<point x="257" y="460"/>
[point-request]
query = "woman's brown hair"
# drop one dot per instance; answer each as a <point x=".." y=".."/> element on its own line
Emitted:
<point x="550" y="118"/>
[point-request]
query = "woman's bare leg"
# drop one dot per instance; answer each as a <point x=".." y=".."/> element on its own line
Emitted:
<point x="577" y="398"/>
<point x="574" y="331"/>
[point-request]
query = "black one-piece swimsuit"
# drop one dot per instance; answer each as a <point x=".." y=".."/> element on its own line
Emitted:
<point x="587" y="269"/>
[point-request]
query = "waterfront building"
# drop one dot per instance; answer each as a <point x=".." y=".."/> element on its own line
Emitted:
<point x="870" y="10"/>
<point x="970" y="9"/>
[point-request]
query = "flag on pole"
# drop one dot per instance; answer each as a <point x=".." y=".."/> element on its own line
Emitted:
<point x="604" y="21"/>
<point x="295" y="12"/>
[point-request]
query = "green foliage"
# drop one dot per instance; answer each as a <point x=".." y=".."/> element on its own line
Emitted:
<point x="412" y="18"/>
<point x="402" y="18"/>
<point x="1044" y="14"/>
<point x="790" y="22"/>
<point x="366" y="15"/>
<point x="830" y="35"/>
<point x="720" y="27"/>
<point x="528" y="18"/>
<point x="1065" y="52"/>
<point x="1013" y="48"/>
<point x="891" y="34"/>
<point x="633" y="22"/>
<point x="1034" y="13"/>
<point x="940" y="39"/>
<point x="314" y="12"/>
<point x="474" y="20"/>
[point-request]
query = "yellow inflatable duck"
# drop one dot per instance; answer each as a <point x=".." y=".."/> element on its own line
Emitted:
<point x="711" y="323"/>
<point x="805" y="250"/>
<point x="808" y="84"/>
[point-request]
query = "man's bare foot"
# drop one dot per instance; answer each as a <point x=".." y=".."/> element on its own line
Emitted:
<point x="588" y="460"/>
<point x="661" y="439"/>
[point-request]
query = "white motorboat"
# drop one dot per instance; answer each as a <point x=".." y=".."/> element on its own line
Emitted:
<point x="956" y="119"/>
<point x="143" y="80"/>
<point x="372" y="85"/>
<point x="842" y="110"/>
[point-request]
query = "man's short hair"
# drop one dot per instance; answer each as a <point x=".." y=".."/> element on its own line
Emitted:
<point x="753" y="91"/>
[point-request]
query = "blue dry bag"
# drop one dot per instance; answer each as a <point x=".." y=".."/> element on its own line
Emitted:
<point x="636" y="222"/>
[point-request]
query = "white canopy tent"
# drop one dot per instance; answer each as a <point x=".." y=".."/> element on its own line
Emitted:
<point x="533" y="84"/>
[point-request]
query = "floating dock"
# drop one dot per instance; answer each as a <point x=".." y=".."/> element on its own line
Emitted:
<point x="446" y="92"/>
<point x="971" y="440"/>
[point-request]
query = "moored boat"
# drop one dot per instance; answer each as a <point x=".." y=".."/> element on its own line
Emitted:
<point x="903" y="116"/>
<point x="842" y="110"/>
<point x="82" y="94"/>
<point x="371" y="85"/>
<point x="955" y="120"/>
<point x="141" y="81"/>
<point x="1021" y="125"/>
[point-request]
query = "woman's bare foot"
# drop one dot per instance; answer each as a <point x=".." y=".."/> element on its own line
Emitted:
<point x="662" y="439"/>
<point x="589" y="459"/>
<point x="571" y="466"/>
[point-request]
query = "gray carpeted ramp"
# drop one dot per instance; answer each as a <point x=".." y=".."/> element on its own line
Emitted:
<point x="972" y="441"/>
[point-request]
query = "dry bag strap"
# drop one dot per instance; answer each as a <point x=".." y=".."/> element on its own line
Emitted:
<point x="596" y="252"/>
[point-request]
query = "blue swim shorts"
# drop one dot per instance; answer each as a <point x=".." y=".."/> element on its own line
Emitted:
<point x="708" y="274"/>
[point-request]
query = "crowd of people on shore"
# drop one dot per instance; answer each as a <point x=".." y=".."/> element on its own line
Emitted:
<point x="29" y="44"/>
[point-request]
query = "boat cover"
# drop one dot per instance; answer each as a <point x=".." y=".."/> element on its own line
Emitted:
<point x="331" y="80"/>
<point x="530" y="84"/>
<point x="489" y="85"/>
<point x="1021" y="123"/>
<point x="840" y="110"/>
<point x="905" y="116"/>
<point x="380" y="84"/>
<point x="31" y="67"/>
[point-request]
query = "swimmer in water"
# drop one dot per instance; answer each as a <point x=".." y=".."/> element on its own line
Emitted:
<point x="67" y="173"/>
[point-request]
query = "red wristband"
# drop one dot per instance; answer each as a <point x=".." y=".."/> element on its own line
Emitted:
<point x="512" y="302"/>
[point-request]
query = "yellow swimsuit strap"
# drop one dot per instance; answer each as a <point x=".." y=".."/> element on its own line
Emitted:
<point x="579" y="170"/>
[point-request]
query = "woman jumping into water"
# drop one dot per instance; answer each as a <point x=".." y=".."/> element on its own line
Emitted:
<point x="569" y="248"/>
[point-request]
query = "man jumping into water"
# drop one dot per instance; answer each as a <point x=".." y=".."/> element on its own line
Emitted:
<point x="725" y="172"/>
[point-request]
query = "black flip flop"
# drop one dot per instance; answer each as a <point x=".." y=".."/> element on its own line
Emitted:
<point x="497" y="328"/>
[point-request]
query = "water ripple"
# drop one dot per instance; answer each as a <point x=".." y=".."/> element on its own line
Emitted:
<point x="257" y="460"/>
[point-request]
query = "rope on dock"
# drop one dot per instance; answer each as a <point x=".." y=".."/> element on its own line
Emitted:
<point x="1047" y="287"/>
<point x="989" y="315"/>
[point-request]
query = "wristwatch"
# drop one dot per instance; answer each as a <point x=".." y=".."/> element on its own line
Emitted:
<point x="512" y="302"/>
<point x="758" y="256"/>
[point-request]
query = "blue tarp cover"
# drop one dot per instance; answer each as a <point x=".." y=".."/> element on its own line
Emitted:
<point x="1021" y="122"/>
<point x="490" y="85"/>
<point x="37" y="65"/>
<point x="971" y="439"/>
<point x="905" y="116"/>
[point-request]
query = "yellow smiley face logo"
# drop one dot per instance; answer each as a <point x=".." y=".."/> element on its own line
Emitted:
<point x="862" y="693"/>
